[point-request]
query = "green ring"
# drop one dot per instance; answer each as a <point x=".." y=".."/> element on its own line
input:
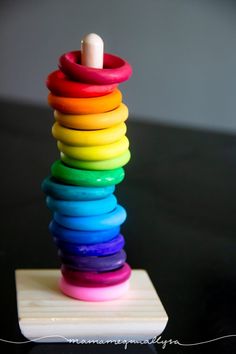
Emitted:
<point x="86" y="178"/>
<point x="103" y="165"/>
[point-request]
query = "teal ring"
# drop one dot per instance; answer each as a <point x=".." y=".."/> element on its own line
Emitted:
<point x="82" y="208"/>
<point x="58" y="190"/>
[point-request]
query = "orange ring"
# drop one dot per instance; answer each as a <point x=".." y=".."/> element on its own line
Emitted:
<point x="93" y="121"/>
<point x="86" y="105"/>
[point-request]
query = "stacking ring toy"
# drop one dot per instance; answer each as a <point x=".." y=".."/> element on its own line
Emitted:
<point x="82" y="237"/>
<point x="95" y="153"/>
<point x="99" y="249"/>
<point x="60" y="85"/>
<point x="95" y="279"/>
<point x="93" y="263"/>
<point x="88" y="138"/>
<point x="93" y="294"/>
<point x="57" y="190"/>
<point x="93" y="121"/>
<point x="86" y="105"/>
<point x="115" y="69"/>
<point x="92" y="223"/>
<point x="85" y="177"/>
<point x="116" y="162"/>
<point x="82" y="208"/>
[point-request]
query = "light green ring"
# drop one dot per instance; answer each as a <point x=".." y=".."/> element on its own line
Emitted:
<point x="103" y="165"/>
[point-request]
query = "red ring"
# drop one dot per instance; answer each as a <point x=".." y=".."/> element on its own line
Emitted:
<point x="115" y="69"/>
<point x="60" y="85"/>
<point x="93" y="279"/>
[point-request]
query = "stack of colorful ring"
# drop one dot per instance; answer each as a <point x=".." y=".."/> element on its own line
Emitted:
<point x="90" y="132"/>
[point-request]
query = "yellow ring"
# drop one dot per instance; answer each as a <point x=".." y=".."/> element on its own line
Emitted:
<point x="73" y="105"/>
<point x="95" y="153"/>
<point x="88" y="137"/>
<point x="93" y="121"/>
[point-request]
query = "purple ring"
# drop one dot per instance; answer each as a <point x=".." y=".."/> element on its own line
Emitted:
<point x="98" y="249"/>
<point x="94" y="263"/>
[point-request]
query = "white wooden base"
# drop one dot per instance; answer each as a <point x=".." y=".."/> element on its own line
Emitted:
<point x="43" y="311"/>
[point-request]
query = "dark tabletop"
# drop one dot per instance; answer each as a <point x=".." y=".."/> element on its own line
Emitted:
<point x="180" y="196"/>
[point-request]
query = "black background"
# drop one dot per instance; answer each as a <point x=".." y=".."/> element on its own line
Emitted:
<point x="179" y="193"/>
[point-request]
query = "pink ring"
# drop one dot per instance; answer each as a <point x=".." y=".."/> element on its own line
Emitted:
<point x="96" y="279"/>
<point x="94" y="294"/>
<point x="60" y="85"/>
<point x="115" y="69"/>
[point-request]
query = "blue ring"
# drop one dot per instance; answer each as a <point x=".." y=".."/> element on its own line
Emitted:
<point x="57" y="190"/>
<point x="92" y="223"/>
<point x="82" y="208"/>
<point x="82" y="237"/>
<point x="98" y="249"/>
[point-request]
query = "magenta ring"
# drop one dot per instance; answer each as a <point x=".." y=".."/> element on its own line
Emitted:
<point x="115" y="69"/>
<point x="95" y="279"/>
